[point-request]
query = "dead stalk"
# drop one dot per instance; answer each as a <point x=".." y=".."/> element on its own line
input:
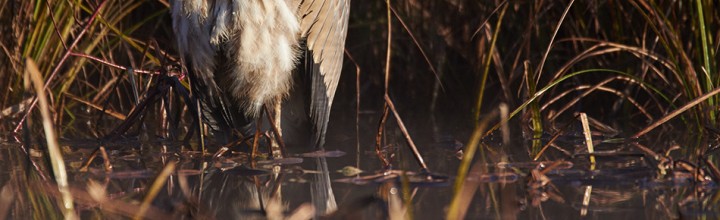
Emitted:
<point x="588" y="139"/>
<point x="56" y="159"/>
<point x="409" y="140"/>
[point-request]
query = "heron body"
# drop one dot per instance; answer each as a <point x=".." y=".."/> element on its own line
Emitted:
<point x="241" y="55"/>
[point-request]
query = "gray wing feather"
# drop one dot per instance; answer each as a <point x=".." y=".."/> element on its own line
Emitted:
<point x="324" y="25"/>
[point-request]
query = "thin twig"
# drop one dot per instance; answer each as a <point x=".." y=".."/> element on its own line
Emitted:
<point x="357" y="108"/>
<point x="647" y="150"/>
<point x="108" y="63"/>
<point x="381" y="125"/>
<point x="409" y="140"/>
<point x="89" y="160"/>
<point x="55" y="26"/>
<point x="378" y="139"/>
<point x="417" y="44"/>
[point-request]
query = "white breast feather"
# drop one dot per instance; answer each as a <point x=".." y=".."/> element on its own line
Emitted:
<point x="259" y="36"/>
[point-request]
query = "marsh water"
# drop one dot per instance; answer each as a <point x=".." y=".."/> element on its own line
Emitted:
<point x="623" y="184"/>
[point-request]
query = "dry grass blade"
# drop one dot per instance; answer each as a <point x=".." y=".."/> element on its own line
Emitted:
<point x="647" y="151"/>
<point x="155" y="189"/>
<point x="677" y="112"/>
<point x="588" y="139"/>
<point x="552" y="39"/>
<point x="542" y="91"/>
<point x="713" y="169"/>
<point x="56" y="159"/>
<point x="590" y="89"/>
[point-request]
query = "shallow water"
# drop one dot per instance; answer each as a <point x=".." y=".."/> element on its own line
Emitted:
<point x="623" y="185"/>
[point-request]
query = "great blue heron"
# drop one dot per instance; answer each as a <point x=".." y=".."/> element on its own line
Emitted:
<point x="241" y="55"/>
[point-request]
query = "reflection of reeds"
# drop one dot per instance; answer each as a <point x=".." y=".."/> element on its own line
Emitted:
<point x="154" y="189"/>
<point x="464" y="190"/>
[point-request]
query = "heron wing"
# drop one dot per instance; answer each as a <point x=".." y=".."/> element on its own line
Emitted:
<point x="323" y="24"/>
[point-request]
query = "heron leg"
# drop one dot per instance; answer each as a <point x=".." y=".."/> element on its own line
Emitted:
<point x="275" y="121"/>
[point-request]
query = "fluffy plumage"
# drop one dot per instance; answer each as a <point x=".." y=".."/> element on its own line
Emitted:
<point x="258" y="37"/>
<point x="242" y="53"/>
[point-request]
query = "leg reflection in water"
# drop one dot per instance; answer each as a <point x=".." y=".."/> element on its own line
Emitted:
<point x="260" y="193"/>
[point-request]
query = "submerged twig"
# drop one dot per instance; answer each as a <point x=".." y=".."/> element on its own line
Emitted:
<point x="91" y="158"/>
